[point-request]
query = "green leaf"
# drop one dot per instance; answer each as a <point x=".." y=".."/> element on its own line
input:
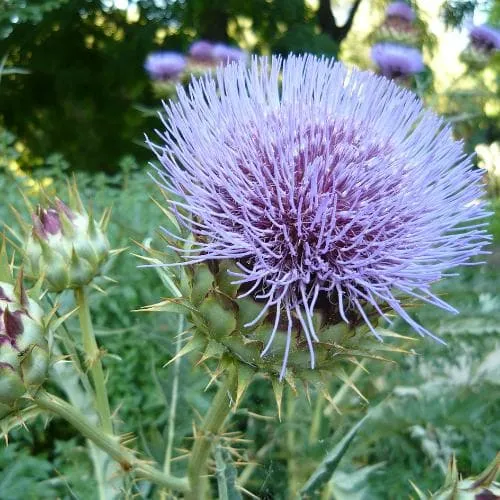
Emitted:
<point x="328" y="466"/>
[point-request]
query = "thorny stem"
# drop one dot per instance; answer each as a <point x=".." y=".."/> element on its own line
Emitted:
<point x="212" y="424"/>
<point x="316" y="420"/>
<point x="290" y="445"/>
<point x="93" y="356"/>
<point x="173" y="404"/>
<point x="110" y="444"/>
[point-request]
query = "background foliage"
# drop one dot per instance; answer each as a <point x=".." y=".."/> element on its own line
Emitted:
<point x="77" y="110"/>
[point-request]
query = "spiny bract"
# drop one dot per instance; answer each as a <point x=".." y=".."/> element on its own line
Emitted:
<point x="327" y="187"/>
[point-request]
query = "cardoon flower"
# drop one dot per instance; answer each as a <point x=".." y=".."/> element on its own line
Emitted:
<point x="485" y="38"/>
<point x="484" y="42"/>
<point x="328" y="196"/>
<point x="165" y="65"/>
<point x="201" y="51"/>
<point x="397" y="61"/>
<point x="400" y="10"/>
<point x="226" y="54"/>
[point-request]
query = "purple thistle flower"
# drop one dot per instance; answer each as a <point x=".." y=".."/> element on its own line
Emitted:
<point x="400" y="10"/>
<point x="164" y="65"/>
<point x="485" y="38"/>
<point x="322" y="184"/>
<point x="202" y="51"/>
<point x="226" y="54"/>
<point x="397" y="61"/>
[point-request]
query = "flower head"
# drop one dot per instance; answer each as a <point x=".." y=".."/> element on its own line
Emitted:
<point x="328" y="189"/>
<point x="226" y="54"/>
<point x="400" y="10"/>
<point x="397" y="61"/>
<point x="165" y="65"/>
<point x="485" y="38"/>
<point x="201" y="51"/>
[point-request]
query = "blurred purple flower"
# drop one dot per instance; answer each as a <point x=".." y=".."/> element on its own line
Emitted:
<point x="202" y="51"/>
<point x="401" y="10"/>
<point x="397" y="61"/>
<point x="485" y="38"/>
<point x="165" y="65"/>
<point x="324" y="185"/>
<point x="226" y="54"/>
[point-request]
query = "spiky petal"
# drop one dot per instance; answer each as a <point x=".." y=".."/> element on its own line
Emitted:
<point x="323" y="185"/>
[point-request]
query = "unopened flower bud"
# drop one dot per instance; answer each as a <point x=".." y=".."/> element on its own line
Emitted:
<point x="24" y="356"/>
<point x="66" y="245"/>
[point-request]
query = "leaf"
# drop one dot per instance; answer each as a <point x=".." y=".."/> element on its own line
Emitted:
<point x="328" y="466"/>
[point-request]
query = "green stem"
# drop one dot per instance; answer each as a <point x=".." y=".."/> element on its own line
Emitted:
<point x="93" y="356"/>
<point x="290" y="445"/>
<point x="173" y="405"/>
<point x="316" y="421"/>
<point x="212" y="424"/>
<point x="127" y="460"/>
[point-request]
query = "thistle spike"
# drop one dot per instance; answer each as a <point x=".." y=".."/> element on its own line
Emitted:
<point x="19" y="289"/>
<point x="5" y="268"/>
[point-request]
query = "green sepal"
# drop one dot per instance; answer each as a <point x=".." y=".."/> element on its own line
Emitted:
<point x="219" y="314"/>
<point x="248" y="310"/>
<point x="11" y="385"/>
<point x="34" y="366"/>
<point x="203" y="281"/>
<point x="224" y="278"/>
<point x="245" y="376"/>
<point x="196" y="343"/>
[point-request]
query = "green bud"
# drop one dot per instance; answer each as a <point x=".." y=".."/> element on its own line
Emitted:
<point x="65" y="245"/>
<point x="34" y="366"/>
<point x="24" y="354"/>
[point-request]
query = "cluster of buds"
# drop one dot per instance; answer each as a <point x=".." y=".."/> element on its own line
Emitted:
<point x="167" y="68"/>
<point x="395" y="53"/>
<point x="24" y="353"/>
<point x="65" y="245"/>
<point x="484" y="42"/>
<point x="482" y="487"/>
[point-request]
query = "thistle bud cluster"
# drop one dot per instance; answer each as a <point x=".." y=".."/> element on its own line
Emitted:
<point x="66" y="245"/>
<point x="24" y="354"/>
